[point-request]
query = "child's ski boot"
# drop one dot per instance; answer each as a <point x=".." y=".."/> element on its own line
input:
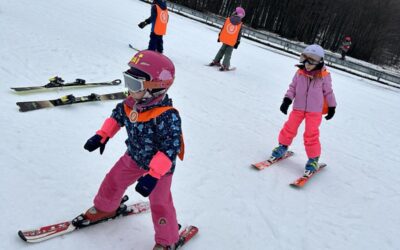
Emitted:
<point x="94" y="216"/>
<point x="214" y="63"/>
<point x="161" y="247"/>
<point x="223" y="68"/>
<point x="279" y="151"/>
<point x="312" y="166"/>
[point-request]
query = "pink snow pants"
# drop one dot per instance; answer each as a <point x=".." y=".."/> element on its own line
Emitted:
<point x="311" y="133"/>
<point x="124" y="173"/>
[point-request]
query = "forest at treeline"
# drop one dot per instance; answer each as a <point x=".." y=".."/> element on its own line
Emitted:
<point x="373" y="25"/>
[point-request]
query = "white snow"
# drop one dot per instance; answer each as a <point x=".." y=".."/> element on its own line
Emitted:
<point x="230" y="119"/>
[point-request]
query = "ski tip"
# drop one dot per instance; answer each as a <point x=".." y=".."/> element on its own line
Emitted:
<point x="188" y="228"/>
<point x="116" y="82"/>
<point x="19" y="104"/>
<point x="299" y="183"/>
<point x="124" y="198"/>
<point x="257" y="167"/>
<point x="188" y="233"/>
<point x="193" y="228"/>
<point x="296" y="186"/>
<point x="22" y="236"/>
<point x="267" y="163"/>
<point x="230" y="69"/>
<point x="131" y="46"/>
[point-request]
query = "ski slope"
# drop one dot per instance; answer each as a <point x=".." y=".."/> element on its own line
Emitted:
<point x="230" y="119"/>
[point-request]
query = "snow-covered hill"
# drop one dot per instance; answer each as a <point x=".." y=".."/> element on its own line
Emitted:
<point x="229" y="119"/>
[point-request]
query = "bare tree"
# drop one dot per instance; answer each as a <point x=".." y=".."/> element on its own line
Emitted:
<point x="373" y="25"/>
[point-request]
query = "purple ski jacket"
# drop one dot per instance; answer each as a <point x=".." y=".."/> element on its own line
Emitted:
<point x="309" y="89"/>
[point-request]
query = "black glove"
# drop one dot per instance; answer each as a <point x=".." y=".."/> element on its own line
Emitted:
<point x="142" y="24"/>
<point x="146" y="184"/>
<point x="94" y="143"/>
<point x="236" y="45"/>
<point x="331" y="113"/>
<point x="285" y="105"/>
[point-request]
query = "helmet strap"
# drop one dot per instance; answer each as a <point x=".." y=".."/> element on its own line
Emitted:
<point x="150" y="99"/>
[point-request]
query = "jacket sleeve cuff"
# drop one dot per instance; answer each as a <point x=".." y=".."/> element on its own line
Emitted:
<point x="109" y="129"/>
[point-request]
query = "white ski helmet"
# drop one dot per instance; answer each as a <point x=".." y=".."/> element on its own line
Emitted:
<point x="314" y="50"/>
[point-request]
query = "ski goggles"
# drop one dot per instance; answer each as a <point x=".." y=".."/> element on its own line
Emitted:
<point x="137" y="84"/>
<point x="307" y="59"/>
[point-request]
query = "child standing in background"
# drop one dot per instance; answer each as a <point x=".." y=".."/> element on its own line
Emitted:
<point x="229" y="35"/>
<point x="345" y="47"/>
<point x="310" y="87"/>
<point x="159" y="20"/>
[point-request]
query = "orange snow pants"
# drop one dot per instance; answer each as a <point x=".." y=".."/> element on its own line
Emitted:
<point x="311" y="133"/>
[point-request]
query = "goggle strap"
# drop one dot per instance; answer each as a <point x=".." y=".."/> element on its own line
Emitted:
<point x="304" y="57"/>
<point x="157" y="84"/>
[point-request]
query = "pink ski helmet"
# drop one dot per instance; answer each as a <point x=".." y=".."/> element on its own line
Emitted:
<point x="240" y="12"/>
<point x="152" y="71"/>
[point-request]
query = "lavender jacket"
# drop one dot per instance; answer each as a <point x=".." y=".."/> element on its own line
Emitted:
<point x="308" y="90"/>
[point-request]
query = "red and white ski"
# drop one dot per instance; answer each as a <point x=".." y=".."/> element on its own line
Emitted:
<point x="300" y="182"/>
<point x="185" y="235"/>
<point x="51" y="231"/>
<point x="267" y="163"/>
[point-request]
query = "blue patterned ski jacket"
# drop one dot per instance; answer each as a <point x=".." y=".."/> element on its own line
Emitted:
<point x="145" y="139"/>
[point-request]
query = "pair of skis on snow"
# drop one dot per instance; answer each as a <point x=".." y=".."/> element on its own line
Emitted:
<point x="299" y="182"/>
<point x="51" y="231"/>
<point x="58" y="83"/>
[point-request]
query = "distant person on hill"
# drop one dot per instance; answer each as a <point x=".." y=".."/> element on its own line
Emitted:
<point x="159" y="20"/>
<point x="229" y="35"/>
<point x="310" y="88"/>
<point x="344" y="48"/>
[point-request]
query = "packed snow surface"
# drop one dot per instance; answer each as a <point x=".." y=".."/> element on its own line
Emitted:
<point x="230" y="120"/>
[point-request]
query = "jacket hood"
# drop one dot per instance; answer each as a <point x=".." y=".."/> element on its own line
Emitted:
<point x="235" y="20"/>
<point x="161" y="3"/>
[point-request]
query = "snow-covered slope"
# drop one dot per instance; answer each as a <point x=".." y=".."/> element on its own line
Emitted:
<point x="229" y="119"/>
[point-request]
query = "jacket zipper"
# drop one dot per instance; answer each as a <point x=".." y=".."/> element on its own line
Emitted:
<point x="308" y="88"/>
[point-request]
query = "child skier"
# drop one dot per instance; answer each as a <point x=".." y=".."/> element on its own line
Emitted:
<point x="153" y="143"/>
<point x="345" y="47"/>
<point x="229" y="35"/>
<point x="158" y="19"/>
<point x="310" y="87"/>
